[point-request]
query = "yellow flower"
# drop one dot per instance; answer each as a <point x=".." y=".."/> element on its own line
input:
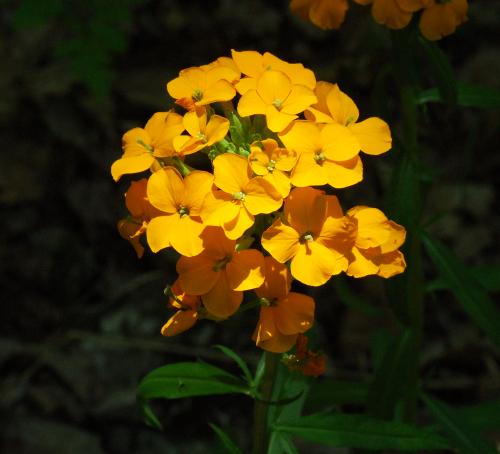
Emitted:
<point x="394" y="14"/>
<point x="201" y="86"/>
<point x="225" y="62"/>
<point x="253" y="65"/>
<point x="276" y="97"/>
<point x="187" y="311"/>
<point x="142" y="146"/>
<point x="270" y="161"/>
<point x="315" y="236"/>
<point x="334" y="106"/>
<point x="442" y="18"/>
<point x="328" y="154"/>
<point x="240" y="198"/>
<point x="202" y="133"/>
<point x="375" y="248"/>
<point x="325" y="14"/>
<point x="220" y="274"/>
<point x="180" y="226"/>
<point x="285" y="314"/>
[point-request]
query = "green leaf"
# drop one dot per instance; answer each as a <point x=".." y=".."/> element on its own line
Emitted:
<point x="225" y="439"/>
<point x="443" y="72"/>
<point x="326" y="391"/>
<point x="281" y="443"/>
<point x="468" y="95"/>
<point x="149" y="416"/>
<point x="363" y="432"/>
<point x="462" y="437"/>
<point x="238" y="360"/>
<point x="480" y="417"/>
<point x="391" y="378"/>
<point x="467" y="290"/>
<point x="179" y="380"/>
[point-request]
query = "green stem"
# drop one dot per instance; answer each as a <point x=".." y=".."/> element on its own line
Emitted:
<point x="261" y="408"/>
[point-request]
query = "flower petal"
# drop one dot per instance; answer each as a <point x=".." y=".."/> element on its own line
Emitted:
<point x="216" y="129"/>
<point x="251" y="104"/>
<point x="231" y="172"/>
<point x="299" y="99"/>
<point x="302" y="137"/>
<point x="221" y="300"/>
<point x="339" y="143"/>
<point x="196" y="274"/>
<point x="305" y="210"/>
<point x="308" y="172"/>
<point x="186" y="239"/>
<point x="179" y="322"/>
<point x="294" y="313"/>
<point x="237" y="226"/>
<point x="341" y="107"/>
<point x="166" y="190"/>
<point x="197" y="185"/>
<point x="281" y="241"/>
<point x="342" y="174"/>
<point x="161" y="230"/>
<point x="245" y="271"/>
<point x="314" y="264"/>
<point x="261" y="196"/>
<point x="132" y="164"/>
<point x="373" y="135"/>
<point x="273" y="86"/>
<point x="278" y="280"/>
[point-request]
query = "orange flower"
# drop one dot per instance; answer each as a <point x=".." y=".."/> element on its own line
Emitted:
<point x="394" y="14"/>
<point x="375" y="249"/>
<point x="328" y="154"/>
<point x="283" y="314"/>
<point x="313" y="237"/>
<point x="240" y="198"/>
<point x="276" y="97"/>
<point x="253" y="64"/>
<point x="141" y="212"/>
<point x="220" y="274"/>
<point x="202" y="133"/>
<point x="199" y="86"/>
<point x="373" y="134"/>
<point x="142" y="146"/>
<point x="307" y="362"/>
<point x="270" y="161"/>
<point x="325" y="14"/>
<point x="180" y="225"/>
<point x="442" y="18"/>
<point x="187" y="311"/>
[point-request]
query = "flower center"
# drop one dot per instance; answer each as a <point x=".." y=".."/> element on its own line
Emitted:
<point x="267" y="302"/>
<point x="221" y="264"/>
<point x="277" y="103"/>
<point x="202" y="137"/>
<point x="239" y="196"/>
<point x="306" y="238"/>
<point x="183" y="211"/>
<point x="197" y="94"/>
<point x="319" y="157"/>
<point x="271" y="166"/>
<point x="148" y="147"/>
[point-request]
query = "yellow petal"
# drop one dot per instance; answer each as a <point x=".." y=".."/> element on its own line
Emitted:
<point x="302" y="137"/>
<point x="267" y="337"/>
<point x="221" y="90"/>
<point x="343" y="173"/>
<point x="278" y="280"/>
<point x="280" y="181"/>
<point x="305" y="210"/>
<point x="180" y="87"/>
<point x="161" y="230"/>
<point x="194" y="121"/>
<point x="295" y="71"/>
<point x="156" y="124"/>
<point x="261" y="196"/>
<point x="273" y="87"/>
<point x="166" y="190"/>
<point x="217" y="129"/>
<point x="294" y="313"/>
<point x="339" y="143"/>
<point x="313" y="264"/>
<point x="186" y="239"/>
<point x="308" y="172"/>
<point x="360" y="265"/>
<point x="236" y="227"/>
<point x="391" y="264"/>
<point x="245" y="271"/>
<point x="316" y="115"/>
<point x="249" y="62"/>
<point x="281" y="241"/>
<point x="132" y="164"/>
<point x="231" y="172"/>
<point x="181" y="321"/>
<point x="251" y="104"/>
<point x="259" y="161"/>
<point x="278" y="121"/>
<point x="197" y="185"/>
<point x="341" y="107"/>
<point x="246" y="84"/>
<point x="373" y="134"/>
<point x="133" y="140"/>
<point x="221" y="300"/>
<point x="299" y="99"/>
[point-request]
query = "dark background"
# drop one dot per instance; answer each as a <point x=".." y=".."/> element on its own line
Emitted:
<point x="80" y="315"/>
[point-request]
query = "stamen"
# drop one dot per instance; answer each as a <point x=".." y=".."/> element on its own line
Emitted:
<point x="197" y="94"/>
<point x="277" y="103"/>
<point x="239" y="196"/>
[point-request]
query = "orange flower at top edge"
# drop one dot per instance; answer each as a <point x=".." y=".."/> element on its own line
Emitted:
<point x="141" y="146"/>
<point x="220" y="274"/>
<point x="441" y="18"/>
<point x="325" y="14"/>
<point x="283" y="314"/>
<point x="315" y="237"/>
<point x="395" y="14"/>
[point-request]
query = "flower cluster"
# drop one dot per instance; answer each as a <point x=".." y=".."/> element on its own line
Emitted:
<point x="438" y="18"/>
<point x="256" y="219"/>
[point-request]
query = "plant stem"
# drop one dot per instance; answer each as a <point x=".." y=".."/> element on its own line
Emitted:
<point x="261" y="408"/>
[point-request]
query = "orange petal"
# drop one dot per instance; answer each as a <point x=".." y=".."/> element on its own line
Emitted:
<point x="181" y="321"/>
<point x="196" y="274"/>
<point x="221" y="90"/>
<point x="360" y="265"/>
<point x="251" y="104"/>
<point x="216" y="129"/>
<point x="261" y="196"/>
<point x="280" y="181"/>
<point x="343" y="173"/>
<point x="249" y="62"/>
<point x="373" y="135"/>
<point x="273" y="87"/>
<point x="186" y="239"/>
<point x="267" y="337"/>
<point x="302" y="137"/>
<point x="166" y="190"/>
<point x="308" y="172"/>
<point x="339" y="143"/>
<point x="221" y="300"/>
<point x="341" y="107"/>
<point x="278" y="121"/>
<point x="305" y="210"/>
<point x="161" y="230"/>
<point x="391" y="264"/>
<point x="281" y="241"/>
<point x="132" y="164"/>
<point x="299" y="99"/>
<point x="373" y="226"/>
<point x="314" y="264"/>
<point x="236" y="227"/>
<point x="278" y="280"/>
<point x="388" y="13"/>
<point x="294" y="313"/>
<point x="245" y="271"/>
<point x="197" y="185"/>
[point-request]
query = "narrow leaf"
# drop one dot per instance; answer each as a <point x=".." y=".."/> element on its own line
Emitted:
<point x="468" y="95"/>
<point x="238" y="360"/>
<point x="480" y="417"/>
<point x="189" y="379"/>
<point x="281" y="444"/>
<point x="461" y="436"/>
<point x="467" y="290"/>
<point x="225" y="439"/>
<point x="149" y="415"/>
<point x="363" y="432"/>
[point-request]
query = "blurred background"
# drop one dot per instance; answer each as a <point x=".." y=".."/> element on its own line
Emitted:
<point x="80" y="314"/>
